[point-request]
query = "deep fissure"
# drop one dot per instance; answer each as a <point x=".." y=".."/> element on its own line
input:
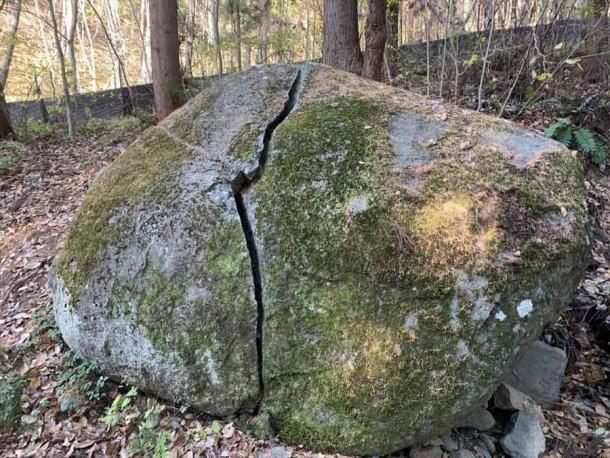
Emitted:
<point x="241" y="184"/>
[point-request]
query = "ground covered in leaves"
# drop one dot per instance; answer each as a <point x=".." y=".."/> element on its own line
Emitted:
<point x="66" y="409"/>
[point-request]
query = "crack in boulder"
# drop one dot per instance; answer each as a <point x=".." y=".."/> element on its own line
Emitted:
<point x="240" y="184"/>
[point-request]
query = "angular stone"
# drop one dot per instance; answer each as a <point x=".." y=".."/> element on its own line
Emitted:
<point x="462" y="454"/>
<point x="449" y="444"/>
<point x="274" y="452"/>
<point x="539" y="372"/>
<point x="524" y="437"/>
<point x="426" y="451"/>
<point x="508" y="397"/>
<point x="480" y="419"/>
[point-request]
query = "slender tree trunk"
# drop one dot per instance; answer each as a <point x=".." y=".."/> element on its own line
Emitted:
<point x="214" y="27"/>
<point x="306" y="44"/>
<point x="145" y="70"/>
<point x="44" y="114"/>
<point x="141" y="23"/>
<point x="341" y="45"/>
<point x="6" y="130"/>
<point x="120" y="71"/>
<point x="167" y="83"/>
<point x="375" y="38"/>
<point x="70" y="18"/>
<point x="491" y="12"/>
<point x="115" y="39"/>
<point x="427" y="32"/>
<point x="190" y="39"/>
<point x="10" y="45"/>
<point x="91" y="62"/>
<point x="596" y="17"/>
<point x="391" y="47"/>
<point x="237" y="29"/>
<point x="247" y="56"/>
<point x="264" y="7"/>
<point x="62" y="67"/>
<point x="43" y="34"/>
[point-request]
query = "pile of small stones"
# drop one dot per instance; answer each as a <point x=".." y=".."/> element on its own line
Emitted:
<point x="511" y="422"/>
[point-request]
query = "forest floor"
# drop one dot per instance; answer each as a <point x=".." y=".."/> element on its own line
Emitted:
<point x="67" y="409"/>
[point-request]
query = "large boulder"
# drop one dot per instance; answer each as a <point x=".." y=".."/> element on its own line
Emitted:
<point x="360" y="263"/>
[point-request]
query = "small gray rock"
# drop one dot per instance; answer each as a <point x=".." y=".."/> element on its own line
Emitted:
<point x="449" y="444"/>
<point x="524" y="437"/>
<point x="508" y="397"/>
<point x="260" y="426"/>
<point x="480" y="419"/>
<point x="274" y="452"/>
<point x="71" y="400"/>
<point x="484" y="447"/>
<point x="462" y="454"/>
<point x="423" y="451"/>
<point x="538" y="372"/>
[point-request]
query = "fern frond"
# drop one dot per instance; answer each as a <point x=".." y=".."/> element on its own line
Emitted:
<point x="565" y="136"/>
<point x="557" y="127"/>
<point x="589" y="143"/>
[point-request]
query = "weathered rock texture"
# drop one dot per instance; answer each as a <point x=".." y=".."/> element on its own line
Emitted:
<point x="360" y="263"/>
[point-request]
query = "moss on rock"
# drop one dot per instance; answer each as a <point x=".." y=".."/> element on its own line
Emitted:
<point x="407" y="254"/>
<point x="155" y="282"/>
<point x="152" y="158"/>
<point x="388" y="247"/>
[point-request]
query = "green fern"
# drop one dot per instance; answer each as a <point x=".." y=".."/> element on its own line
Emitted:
<point x="565" y="136"/>
<point x="581" y="138"/>
<point x="558" y="129"/>
<point x="588" y="142"/>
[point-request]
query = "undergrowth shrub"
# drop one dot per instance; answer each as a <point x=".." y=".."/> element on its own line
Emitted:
<point x="11" y="388"/>
<point x="150" y="440"/>
<point x="83" y="375"/>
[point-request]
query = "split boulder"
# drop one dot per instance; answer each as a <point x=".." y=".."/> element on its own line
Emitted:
<point x="359" y="263"/>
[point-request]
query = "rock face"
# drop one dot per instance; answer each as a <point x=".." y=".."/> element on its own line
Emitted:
<point x="539" y="372"/>
<point x="524" y="438"/>
<point x="359" y="263"/>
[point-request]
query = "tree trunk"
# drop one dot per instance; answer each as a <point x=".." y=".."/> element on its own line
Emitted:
<point x="341" y="46"/>
<point x="6" y="130"/>
<point x="62" y="68"/>
<point x="145" y="70"/>
<point x="70" y="20"/>
<point x="213" y="23"/>
<point x="247" y="56"/>
<point x="167" y="83"/>
<point x="375" y="37"/>
<point x="190" y="39"/>
<point x="86" y="34"/>
<point x="391" y="47"/>
<point x="237" y="29"/>
<point x="596" y="29"/>
<point x="264" y="7"/>
<point x="44" y="114"/>
<point x="10" y="46"/>
<point x="115" y="39"/>
<point x="141" y="23"/>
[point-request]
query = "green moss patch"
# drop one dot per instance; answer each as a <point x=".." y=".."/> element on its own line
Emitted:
<point x="381" y="294"/>
<point x="154" y="155"/>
